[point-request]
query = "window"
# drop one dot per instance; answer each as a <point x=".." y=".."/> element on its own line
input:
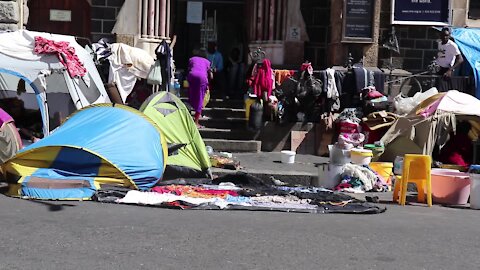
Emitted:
<point x="474" y="9"/>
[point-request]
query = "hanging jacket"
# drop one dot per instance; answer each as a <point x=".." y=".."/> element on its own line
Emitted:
<point x="261" y="79"/>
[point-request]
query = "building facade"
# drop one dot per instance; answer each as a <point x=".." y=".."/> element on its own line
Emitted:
<point x="289" y="31"/>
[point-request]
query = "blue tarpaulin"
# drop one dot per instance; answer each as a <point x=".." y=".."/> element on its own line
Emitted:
<point x="468" y="41"/>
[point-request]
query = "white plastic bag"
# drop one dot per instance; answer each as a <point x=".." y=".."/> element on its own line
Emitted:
<point x="155" y="74"/>
<point x="403" y="105"/>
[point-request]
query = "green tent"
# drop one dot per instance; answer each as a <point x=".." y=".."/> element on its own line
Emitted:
<point x="176" y="124"/>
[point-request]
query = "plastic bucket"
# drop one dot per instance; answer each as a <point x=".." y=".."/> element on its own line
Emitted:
<point x="247" y="103"/>
<point x="384" y="169"/>
<point x="288" y="156"/>
<point x="475" y="191"/>
<point x="361" y="156"/>
<point x="338" y="156"/>
<point x="329" y="175"/>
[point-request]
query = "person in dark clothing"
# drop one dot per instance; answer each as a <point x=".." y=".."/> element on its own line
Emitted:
<point x="28" y="122"/>
<point x="217" y="68"/>
<point x="459" y="149"/>
<point x="235" y="71"/>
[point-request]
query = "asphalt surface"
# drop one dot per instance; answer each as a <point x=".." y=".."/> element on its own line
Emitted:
<point x="90" y="235"/>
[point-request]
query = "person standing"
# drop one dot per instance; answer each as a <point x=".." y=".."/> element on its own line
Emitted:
<point x="235" y="71"/>
<point x="198" y="75"/>
<point x="216" y="64"/>
<point x="449" y="56"/>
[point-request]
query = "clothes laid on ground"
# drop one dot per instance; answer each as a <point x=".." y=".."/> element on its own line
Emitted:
<point x="257" y="196"/>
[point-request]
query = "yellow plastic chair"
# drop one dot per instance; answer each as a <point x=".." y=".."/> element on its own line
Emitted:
<point x="416" y="169"/>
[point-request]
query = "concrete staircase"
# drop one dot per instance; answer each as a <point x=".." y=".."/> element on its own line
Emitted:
<point x="226" y="127"/>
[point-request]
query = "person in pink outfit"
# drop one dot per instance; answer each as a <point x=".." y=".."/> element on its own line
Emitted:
<point x="198" y="75"/>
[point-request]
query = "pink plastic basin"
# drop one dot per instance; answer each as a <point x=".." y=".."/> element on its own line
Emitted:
<point x="449" y="187"/>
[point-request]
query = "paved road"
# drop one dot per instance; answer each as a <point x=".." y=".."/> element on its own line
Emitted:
<point x="90" y="235"/>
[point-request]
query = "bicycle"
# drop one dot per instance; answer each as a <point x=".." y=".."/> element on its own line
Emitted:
<point x="415" y="83"/>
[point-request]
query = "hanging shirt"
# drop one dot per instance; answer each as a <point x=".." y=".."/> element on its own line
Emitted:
<point x="447" y="53"/>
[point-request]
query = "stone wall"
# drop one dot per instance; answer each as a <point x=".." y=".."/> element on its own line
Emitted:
<point x="104" y="14"/>
<point x="9" y="15"/>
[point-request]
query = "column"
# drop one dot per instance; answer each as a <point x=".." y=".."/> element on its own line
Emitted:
<point x="163" y="17"/>
<point x="151" y="18"/>
<point x="271" y="23"/>
<point x="278" y="20"/>
<point x="157" y="18"/>
<point x="144" y="6"/>
<point x="259" y="26"/>
<point x="167" y="28"/>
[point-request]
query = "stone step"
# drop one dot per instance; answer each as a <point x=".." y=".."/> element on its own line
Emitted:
<point x="234" y="146"/>
<point x="223" y="113"/>
<point x="224" y="123"/>
<point x="228" y="134"/>
<point x="221" y="103"/>
<point x="265" y="165"/>
<point x="290" y="177"/>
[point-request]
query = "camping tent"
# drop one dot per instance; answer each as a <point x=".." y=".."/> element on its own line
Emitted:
<point x="10" y="141"/>
<point x="47" y="79"/>
<point x="432" y="120"/>
<point x="101" y="144"/>
<point x="176" y="123"/>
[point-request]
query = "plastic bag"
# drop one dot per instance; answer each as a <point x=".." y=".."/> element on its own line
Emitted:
<point x="206" y="98"/>
<point x="154" y="76"/>
<point x="403" y="105"/>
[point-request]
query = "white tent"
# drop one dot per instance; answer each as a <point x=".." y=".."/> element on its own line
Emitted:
<point x="46" y="76"/>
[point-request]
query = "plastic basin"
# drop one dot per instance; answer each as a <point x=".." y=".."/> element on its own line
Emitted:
<point x="449" y="187"/>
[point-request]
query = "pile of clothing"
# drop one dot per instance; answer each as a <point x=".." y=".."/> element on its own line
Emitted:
<point x="359" y="179"/>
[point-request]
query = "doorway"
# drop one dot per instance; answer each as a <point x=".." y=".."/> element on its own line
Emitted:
<point x="226" y="22"/>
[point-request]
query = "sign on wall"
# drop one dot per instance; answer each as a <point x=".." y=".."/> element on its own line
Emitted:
<point x="358" y="21"/>
<point x="421" y="12"/>
<point x="194" y="12"/>
<point x="294" y="33"/>
<point x="58" y="15"/>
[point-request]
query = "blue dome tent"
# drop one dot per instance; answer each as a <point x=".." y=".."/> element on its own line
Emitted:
<point x="100" y="144"/>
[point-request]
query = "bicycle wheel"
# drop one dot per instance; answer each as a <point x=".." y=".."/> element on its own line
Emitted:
<point x="410" y="87"/>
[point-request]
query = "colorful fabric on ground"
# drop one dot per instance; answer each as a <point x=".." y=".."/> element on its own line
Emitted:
<point x="194" y="192"/>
